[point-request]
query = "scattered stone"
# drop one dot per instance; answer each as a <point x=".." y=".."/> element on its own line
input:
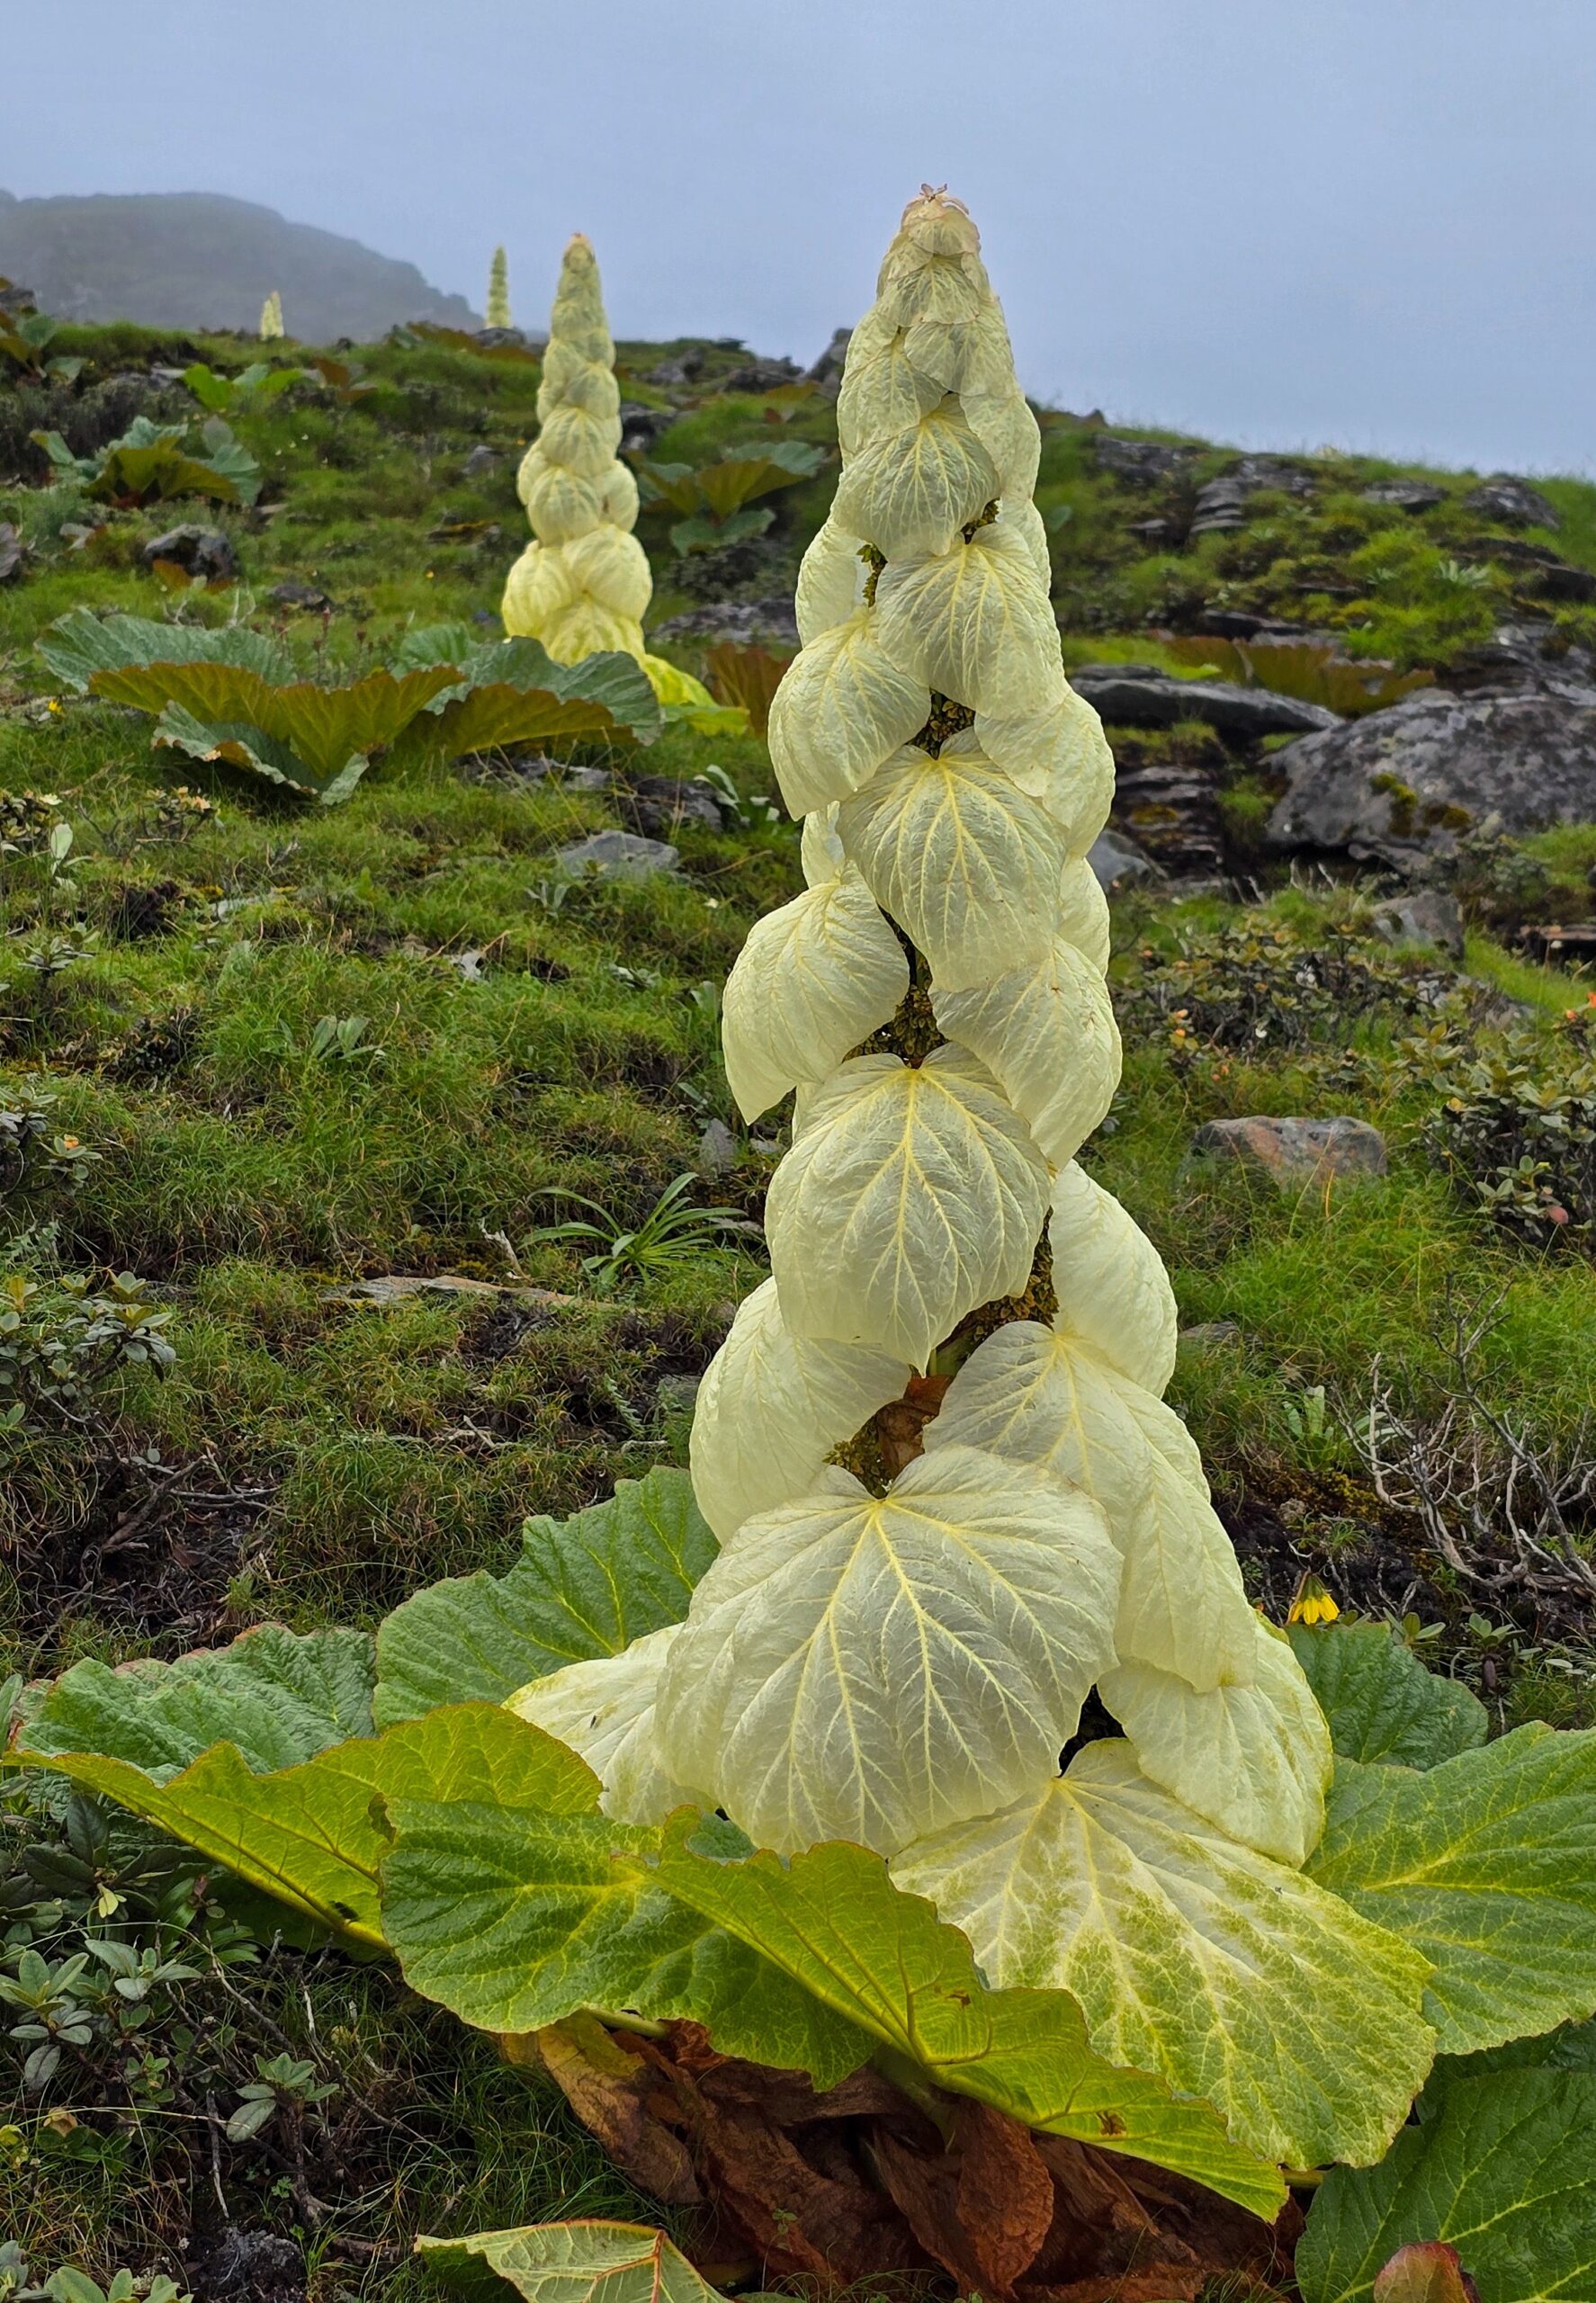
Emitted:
<point x="198" y="551"/>
<point x="826" y="371"/>
<point x="686" y="369"/>
<point x="468" y="966"/>
<point x="1399" y="785"/>
<point x="762" y="376"/>
<point x="13" y="299"/>
<point x="664" y="803"/>
<point x="245" y="2266"/>
<point x="1208" y="1335"/>
<point x="641" y="426"/>
<point x="1219" y="507"/>
<point x="1562" y="946"/>
<point x="1295" y="1150"/>
<point x="1171" y="808"/>
<point x="1427" y="916"/>
<point x="499" y="339"/>
<point x="1546" y="574"/>
<point x="1134" y="695"/>
<point x="291" y="593"/>
<point x="617" y="856"/>
<point x="1404" y="495"/>
<point x="1241" y="623"/>
<point x="12" y="552"/>
<point x="717" y="1149"/>
<point x="400" y="1288"/>
<point x="481" y="461"/>
<point x="1144" y="462"/>
<point x="1510" y="500"/>
<point x="747" y="622"/>
<point x="1117" y="862"/>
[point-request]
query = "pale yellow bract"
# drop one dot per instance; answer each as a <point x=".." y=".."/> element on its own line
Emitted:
<point x="899" y="1658"/>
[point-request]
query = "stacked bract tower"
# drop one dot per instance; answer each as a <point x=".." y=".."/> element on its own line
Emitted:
<point x="950" y="1499"/>
<point x="582" y="585"/>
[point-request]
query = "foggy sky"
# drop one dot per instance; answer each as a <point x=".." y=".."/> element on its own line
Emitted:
<point x="1284" y="223"/>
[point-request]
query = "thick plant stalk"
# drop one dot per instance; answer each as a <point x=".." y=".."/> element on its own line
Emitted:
<point x="582" y="585"/>
<point x="951" y="1501"/>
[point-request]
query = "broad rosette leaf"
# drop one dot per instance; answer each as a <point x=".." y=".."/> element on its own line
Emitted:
<point x="573" y="2263"/>
<point x="1380" y="1701"/>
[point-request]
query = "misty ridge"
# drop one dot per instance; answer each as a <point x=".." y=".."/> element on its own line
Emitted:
<point x="201" y="260"/>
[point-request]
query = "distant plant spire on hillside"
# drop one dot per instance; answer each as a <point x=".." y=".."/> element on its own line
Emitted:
<point x="272" y="317"/>
<point x="498" y="290"/>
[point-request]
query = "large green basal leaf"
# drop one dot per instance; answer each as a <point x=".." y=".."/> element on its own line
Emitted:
<point x="1486" y="1863"/>
<point x="572" y="2263"/>
<point x="610" y="683"/>
<point x="279" y="1696"/>
<point x="80" y="644"/>
<point x="237" y="743"/>
<point x="1380" y="1701"/>
<point x="1505" y="2171"/>
<point x="584" y="1587"/>
<point x="323" y="728"/>
<point x="163" y="470"/>
<point x="311" y="1836"/>
<point x="735" y="480"/>
<point x="832" y="1920"/>
<point x="514" y="1921"/>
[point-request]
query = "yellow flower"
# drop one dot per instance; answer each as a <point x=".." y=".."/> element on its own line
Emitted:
<point x="1312" y="1603"/>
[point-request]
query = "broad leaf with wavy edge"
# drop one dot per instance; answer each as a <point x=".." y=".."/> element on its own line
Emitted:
<point x="1233" y="1978"/>
<point x="1380" y="1701"/>
<point x="308" y="1835"/>
<point x="965" y="864"/>
<point x="604" y="1710"/>
<point x="1253" y="1761"/>
<point x="830" y="581"/>
<point x="772" y="1406"/>
<point x="815" y="978"/>
<point x="973" y="622"/>
<point x="80" y="644"/>
<point x="910" y="491"/>
<point x="911" y="1195"/>
<point x="1502" y="2171"/>
<point x="578" y="2262"/>
<point x="843" y="706"/>
<point x="1113" y="1291"/>
<point x="869" y="1668"/>
<point x="584" y="1587"/>
<point x="514" y="1920"/>
<point x="833" y="1920"/>
<point x="1487" y="1863"/>
<point x="1046" y="1028"/>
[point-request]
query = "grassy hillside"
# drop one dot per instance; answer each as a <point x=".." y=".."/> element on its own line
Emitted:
<point x="258" y="1055"/>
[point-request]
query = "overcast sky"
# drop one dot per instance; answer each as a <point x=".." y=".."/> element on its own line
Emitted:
<point x="1278" y="222"/>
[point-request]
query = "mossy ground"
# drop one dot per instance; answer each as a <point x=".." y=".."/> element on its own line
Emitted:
<point x="313" y="1457"/>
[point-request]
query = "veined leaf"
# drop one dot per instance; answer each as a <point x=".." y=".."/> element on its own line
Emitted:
<point x="910" y="491"/>
<point x="1113" y="1291"/>
<point x="1503" y="2173"/>
<point x="584" y="1587"/>
<point x="1060" y="755"/>
<point x="830" y="581"/>
<point x="238" y="744"/>
<point x="973" y="622"/>
<point x="733" y="482"/>
<point x="1033" y="1396"/>
<point x="80" y="644"/>
<point x="869" y="1668"/>
<point x="833" y="1920"/>
<point x="515" y="1920"/>
<point x="961" y="859"/>
<point x="911" y="1196"/>
<point x="1253" y="1761"/>
<point x="841" y="708"/>
<point x="1046" y="1030"/>
<point x="1487" y="1863"/>
<point x="323" y="727"/>
<point x="574" y="2262"/>
<point x="1380" y="1701"/>
<point x="1083" y="911"/>
<point x="814" y="979"/>
<point x="1232" y="1976"/>
<point x="882" y="391"/>
<point x="605" y="1711"/>
<point x="772" y="1406"/>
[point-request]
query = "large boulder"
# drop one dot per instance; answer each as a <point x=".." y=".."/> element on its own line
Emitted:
<point x="1400" y="785"/>
<point x="1136" y="695"/>
<point x="1513" y="501"/>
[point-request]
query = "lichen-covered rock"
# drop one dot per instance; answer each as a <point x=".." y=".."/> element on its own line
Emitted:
<point x="1295" y="1151"/>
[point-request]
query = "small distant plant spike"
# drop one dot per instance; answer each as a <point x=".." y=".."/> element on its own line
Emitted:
<point x="270" y="325"/>
<point x="583" y="584"/>
<point x="498" y="290"/>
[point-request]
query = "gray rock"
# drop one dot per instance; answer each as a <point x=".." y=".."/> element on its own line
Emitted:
<point x="1221" y="506"/>
<point x="676" y="1394"/>
<point x="201" y="551"/>
<point x="12" y="551"/>
<point x="291" y="593"/>
<point x="658" y="804"/>
<point x="400" y="1288"/>
<point x="1399" y="785"/>
<point x="762" y="376"/>
<point x="616" y="856"/>
<point x="1131" y="697"/>
<point x="748" y="620"/>
<point x="1404" y="495"/>
<point x="1145" y="463"/>
<point x="685" y="370"/>
<point x="1295" y="1150"/>
<point x="1119" y="863"/>
<point x="1222" y="503"/>
<point x="826" y="371"/>
<point x="641" y="426"/>
<point x="1209" y="1335"/>
<point x="1427" y="916"/>
<point x="1510" y="500"/>
<point x="497" y="339"/>
<point x="481" y="461"/>
<point x="717" y="1149"/>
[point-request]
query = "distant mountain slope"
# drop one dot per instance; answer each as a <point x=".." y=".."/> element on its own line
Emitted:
<point x="198" y="260"/>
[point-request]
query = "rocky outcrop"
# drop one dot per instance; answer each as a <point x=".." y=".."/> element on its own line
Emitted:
<point x="1139" y="695"/>
<point x="1295" y="1151"/>
<point x="1511" y="501"/>
<point x="1398" y="786"/>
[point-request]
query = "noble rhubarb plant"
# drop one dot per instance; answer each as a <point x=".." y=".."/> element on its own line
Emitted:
<point x="930" y="1727"/>
<point x="583" y="583"/>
